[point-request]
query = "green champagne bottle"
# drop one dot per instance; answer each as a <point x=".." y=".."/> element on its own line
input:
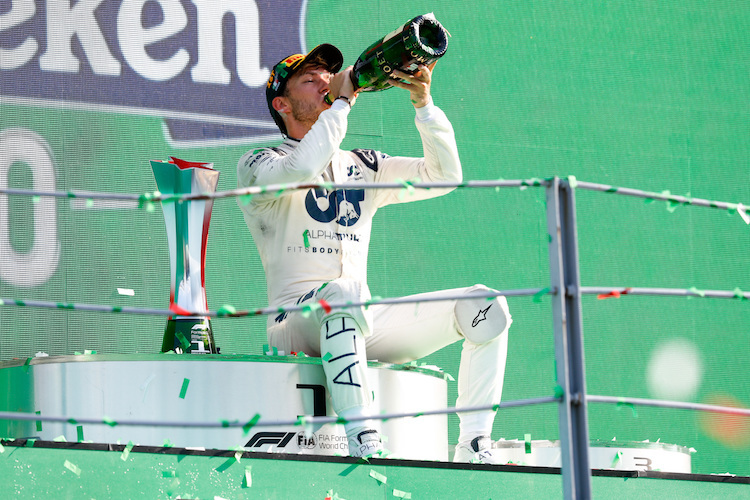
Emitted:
<point x="423" y="40"/>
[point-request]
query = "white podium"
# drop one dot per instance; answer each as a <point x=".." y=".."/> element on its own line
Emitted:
<point x="216" y="388"/>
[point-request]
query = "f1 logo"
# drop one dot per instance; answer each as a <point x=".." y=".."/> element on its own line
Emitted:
<point x="279" y="439"/>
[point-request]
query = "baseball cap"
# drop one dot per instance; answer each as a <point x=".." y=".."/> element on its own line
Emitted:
<point x="287" y="67"/>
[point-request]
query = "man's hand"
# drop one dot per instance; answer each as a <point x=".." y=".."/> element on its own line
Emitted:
<point x="341" y="85"/>
<point x="417" y="84"/>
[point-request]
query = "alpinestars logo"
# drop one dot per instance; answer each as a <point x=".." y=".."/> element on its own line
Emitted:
<point x="481" y="316"/>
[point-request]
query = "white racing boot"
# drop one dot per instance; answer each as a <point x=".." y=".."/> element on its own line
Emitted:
<point x="477" y="451"/>
<point x="365" y="443"/>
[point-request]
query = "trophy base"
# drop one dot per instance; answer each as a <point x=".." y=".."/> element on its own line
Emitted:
<point x="189" y="335"/>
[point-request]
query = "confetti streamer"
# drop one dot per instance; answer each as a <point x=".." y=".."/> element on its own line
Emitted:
<point x="527" y="443"/>
<point x="248" y="479"/>
<point x="401" y="494"/>
<point x="183" y="341"/>
<point x="378" y="476"/>
<point x="324" y="304"/>
<point x="305" y="238"/>
<point x="38" y="422"/>
<point x="613" y="294"/>
<point x="184" y="389"/>
<point x="616" y="460"/>
<point x="742" y="210"/>
<point x="79" y="432"/>
<point x="250" y="424"/>
<point x="623" y="404"/>
<point x="226" y="310"/>
<point x="126" y="452"/>
<point x="540" y="294"/>
<point x="109" y="421"/>
<point x="73" y="468"/>
<point x="408" y="187"/>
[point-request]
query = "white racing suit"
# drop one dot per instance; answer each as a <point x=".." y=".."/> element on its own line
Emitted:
<point x="314" y="243"/>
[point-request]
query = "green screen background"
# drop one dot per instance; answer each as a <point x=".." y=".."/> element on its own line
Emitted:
<point x="643" y="94"/>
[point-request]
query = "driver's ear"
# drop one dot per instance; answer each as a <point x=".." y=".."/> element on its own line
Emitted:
<point x="281" y="104"/>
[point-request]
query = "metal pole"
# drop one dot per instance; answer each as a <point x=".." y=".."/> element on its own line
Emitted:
<point x="569" y="356"/>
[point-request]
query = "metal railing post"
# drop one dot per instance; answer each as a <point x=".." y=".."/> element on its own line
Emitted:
<point x="568" y="328"/>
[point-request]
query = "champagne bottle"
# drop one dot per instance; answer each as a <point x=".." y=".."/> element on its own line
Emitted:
<point x="423" y="40"/>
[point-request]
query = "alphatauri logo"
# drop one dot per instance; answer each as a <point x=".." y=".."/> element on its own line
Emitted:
<point x="201" y="65"/>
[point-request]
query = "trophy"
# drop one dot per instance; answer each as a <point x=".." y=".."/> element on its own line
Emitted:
<point x="423" y="40"/>
<point x="187" y="231"/>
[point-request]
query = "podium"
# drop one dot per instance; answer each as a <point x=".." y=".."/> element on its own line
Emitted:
<point x="216" y="388"/>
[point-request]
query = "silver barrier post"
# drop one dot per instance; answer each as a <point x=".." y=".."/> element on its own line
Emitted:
<point x="566" y="310"/>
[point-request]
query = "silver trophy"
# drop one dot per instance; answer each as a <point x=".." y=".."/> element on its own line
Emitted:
<point x="188" y="331"/>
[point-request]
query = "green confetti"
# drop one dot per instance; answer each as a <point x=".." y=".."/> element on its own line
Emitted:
<point x="527" y="443"/>
<point x="126" y="452"/>
<point x="616" y="460"/>
<point x="572" y="181"/>
<point x="79" y="432"/>
<point x="378" y="476"/>
<point x="248" y="480"/>
<point x="623" y="404"/>
<point x="38" y="422"/>
<point x="167" y="443"/>
<point x="168" y="473"/>
<point x="700" y="293"/>
<point x="739" y="294"/>
<point x="30" y="443"/>
<point x="227" y="464"/>
<point x="226" y="310"/>
<point x="245" y="199"/>
<point x="89" y="203"/>
<point x="407" y="188"/>
<point x="183" y="341"/>
<point x="540" y="294"/>
<point x="183" y="391"/>
<point x="36" y="199"/>
<point x="401" y="494"/>
<point x="559" y="392"/>
<point x="60" y="439"/>
<point x="109" y="421"/>
<point x="250" y="424"/>
<point x="305" y="238"/>
<point x="327" y="356"/>
<point x="72" y="468"/>
<point x="26" y="365"/>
